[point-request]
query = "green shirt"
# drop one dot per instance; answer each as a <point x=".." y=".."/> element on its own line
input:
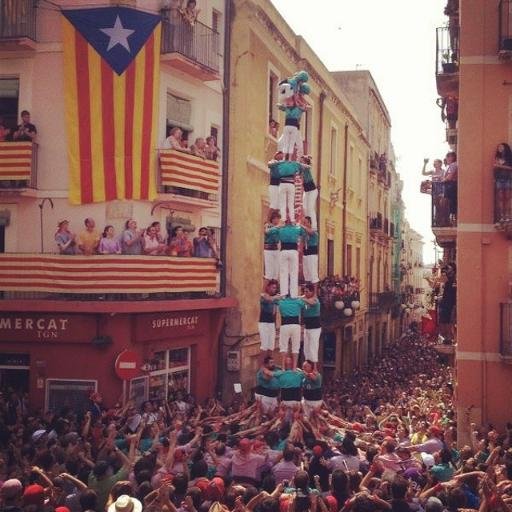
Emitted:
<point x="291" y="233"/>
<point x="311" y="310"/>
<point x="289" y="378"/>
<point x="272" y="383"/>
<point x="312" y="383"/>
<point x="103" y="486"/>
<point x="306" y="174"/>
<point x="288" y="168"/>
<point x="312" y="239"/>
<point x="271" y="235"/>
<point x="290" y="306"/>
<point x="274" y="169"/>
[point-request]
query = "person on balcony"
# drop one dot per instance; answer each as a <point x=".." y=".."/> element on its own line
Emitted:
<point x="450" y="183"/>
<point x="271" y="247"/>
<point x="180" y="245"/>
<point x="267" y="320"/>
<point x="503" y="184"/>
<point x="199" y="148"/>
<point x="65" y="239"/>
<point x="26" y="131"/>
<point x="290" y="310"/>
<point x="190" y="13"/>
<point x="211" y="150"/>
<point x="4" y="132"/>
<point x="436" y="173"/>
<point x="447" y="304"/>
<point x="202" y="245"/>
<point x="109" y="244"/>
<point x="310" y="257"/>
<point x="131" y="239"/>
<point x="175" y="141"/>
<point x="289" y="236"/>
<point x="88" y="240"/>
<point x="312" y="328"/>
<point x="151" y="244"/>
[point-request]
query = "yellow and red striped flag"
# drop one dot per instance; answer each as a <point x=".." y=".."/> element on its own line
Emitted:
<point x="111" y="70"/>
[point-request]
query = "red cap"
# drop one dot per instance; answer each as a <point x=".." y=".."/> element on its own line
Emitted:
<point x="435" y="430"/>
<point x="358" y="427"/>
<point x="317" y="450"/>
<point x="244" y="445"/>
<point x="332" y="503"/>
<point x="33" y="495"/>
<point x="202" y="484"/>
<point x="62" y="509"/>
<point x="215" y="489"/>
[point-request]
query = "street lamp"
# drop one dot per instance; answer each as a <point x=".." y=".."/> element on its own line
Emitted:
<point x="41" y="206"/>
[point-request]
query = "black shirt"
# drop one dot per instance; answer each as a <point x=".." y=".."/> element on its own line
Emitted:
<point x="28" y="127"/>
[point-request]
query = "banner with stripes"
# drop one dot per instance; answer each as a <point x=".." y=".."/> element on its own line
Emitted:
<point x="179" y="169"/>
<point x="15" y="160"/>
<point x="106" y="274"/>
<point x="111" y="75"/>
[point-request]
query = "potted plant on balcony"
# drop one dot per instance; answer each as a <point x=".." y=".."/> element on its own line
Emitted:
<point x="449" y="63"/>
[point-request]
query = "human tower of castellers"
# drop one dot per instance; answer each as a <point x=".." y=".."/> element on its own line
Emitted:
<point x="283" y="233"/>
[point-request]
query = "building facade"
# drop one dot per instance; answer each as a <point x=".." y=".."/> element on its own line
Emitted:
<point x="66" y="319"/>
<point x="476" y="71"/>
<point x="371" y="109"/>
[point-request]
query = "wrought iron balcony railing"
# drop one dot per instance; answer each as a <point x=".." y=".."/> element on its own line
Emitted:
<point x="447" y="50"/>
<point x="506" y="329"/>
<point x="17" y="19"/>
<point x="197" y="42"/>
<point x="505" y="28"/>
<point x="444" y="204"/>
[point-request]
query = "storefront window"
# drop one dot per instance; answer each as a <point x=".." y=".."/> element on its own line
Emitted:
<point x="171" y="373"/>
<point x="69" y="393"/>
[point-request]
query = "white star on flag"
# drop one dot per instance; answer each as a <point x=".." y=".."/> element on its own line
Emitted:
<point x="118" y="35"/>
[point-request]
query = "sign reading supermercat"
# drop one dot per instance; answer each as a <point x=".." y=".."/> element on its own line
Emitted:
<point x="111" y="73"/>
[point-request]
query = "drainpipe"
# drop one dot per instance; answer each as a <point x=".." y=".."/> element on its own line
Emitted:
<point x="224" y="190"/>
<point x="344" y="204"/>
<point x="319" y="154"/>
<point x="225" y="143"/>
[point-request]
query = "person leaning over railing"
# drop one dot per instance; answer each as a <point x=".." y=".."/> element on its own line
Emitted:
<point x="109" y="244"/>
<point x="65" y="239"/>
<point x="131" y="239"/>
<point x="179" y="244"/>
<point x="450" y="182"/>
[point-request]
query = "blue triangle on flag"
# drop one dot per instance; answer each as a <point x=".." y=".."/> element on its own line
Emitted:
<point x="116" y="33"/>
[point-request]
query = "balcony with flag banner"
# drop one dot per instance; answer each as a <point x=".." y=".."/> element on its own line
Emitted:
<point x="50" y="276"/>
<point x="111" y="73"/>
<point x="18" y="166"/>
<point x="186" y="174"/>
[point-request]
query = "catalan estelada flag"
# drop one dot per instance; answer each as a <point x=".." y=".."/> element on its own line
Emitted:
<point x="111" y="74"/>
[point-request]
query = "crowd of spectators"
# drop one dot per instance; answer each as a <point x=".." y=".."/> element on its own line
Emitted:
<point x="335" y="289"/>
<point x="443" y="187"/>
<point x="202" y="147"/>
<point x="148" y="241"/>
<point x="385" y="440"/>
